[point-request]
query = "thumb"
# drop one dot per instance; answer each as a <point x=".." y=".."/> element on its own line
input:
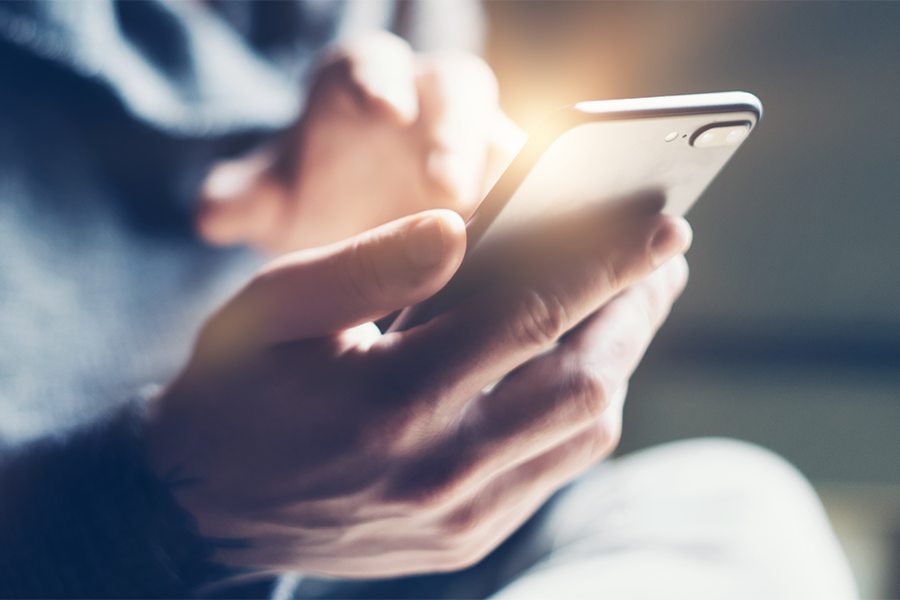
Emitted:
<point x="323" y="291"/>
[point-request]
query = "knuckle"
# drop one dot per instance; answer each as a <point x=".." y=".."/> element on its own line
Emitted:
<point x="429" y="488"/>
<point x="589" y="390"/>
<point x="606" y="436"/>
<point x="543" y="318"/>
<point x="405" y="427"/>
<point x="463" y="525"/>
<point x="612" y="275"/>
<point x="619" y="349"/>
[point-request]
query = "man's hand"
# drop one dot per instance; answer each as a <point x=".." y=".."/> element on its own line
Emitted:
<point x="385" y="133"/>
<point x="337" y="450"/>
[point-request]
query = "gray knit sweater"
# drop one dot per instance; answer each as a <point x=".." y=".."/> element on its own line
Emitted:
<point x="110" y="113"/>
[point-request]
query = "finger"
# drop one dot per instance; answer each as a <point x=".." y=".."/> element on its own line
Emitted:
<point x="240" y="200"/>
<point x="458" y="99"/>
<point x="329" y="289"/>
<point x="489" y="335"/>
<point x="641" y="308"/>
<point x="476" y="514"/>
<point x="516" y="492"/>
<point x="382" y="67"/>
<point x="552" y="397"/>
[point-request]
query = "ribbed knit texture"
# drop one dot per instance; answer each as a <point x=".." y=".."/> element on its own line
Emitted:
<point x="83" y="516"/>
<point x="111" y="113"/>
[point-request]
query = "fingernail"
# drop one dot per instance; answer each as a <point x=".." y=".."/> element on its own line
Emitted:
<point x="671" y="238"/>
<point x="676" y="273"/>
<point x="425" y="242"/>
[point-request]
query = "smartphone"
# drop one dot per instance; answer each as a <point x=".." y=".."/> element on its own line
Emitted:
<point x="596" y="154"/>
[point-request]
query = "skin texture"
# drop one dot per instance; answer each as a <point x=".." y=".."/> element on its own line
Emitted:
<point x="341" y="451"/>
<point x="435" y="116"/>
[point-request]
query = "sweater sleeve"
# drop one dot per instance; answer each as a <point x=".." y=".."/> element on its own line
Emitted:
<point x="81" y="515"/>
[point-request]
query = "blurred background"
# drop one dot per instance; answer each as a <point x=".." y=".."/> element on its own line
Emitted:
<point x="789" y="334"/>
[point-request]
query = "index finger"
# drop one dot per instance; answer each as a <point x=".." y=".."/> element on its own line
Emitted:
<point x="490" y="334"/>
<point x="458" y="99"/>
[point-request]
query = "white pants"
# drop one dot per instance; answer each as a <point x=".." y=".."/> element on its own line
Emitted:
<point x="696" y="519"/>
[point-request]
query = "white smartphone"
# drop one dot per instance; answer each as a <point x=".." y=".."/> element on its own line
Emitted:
<point x="600" y="153"/>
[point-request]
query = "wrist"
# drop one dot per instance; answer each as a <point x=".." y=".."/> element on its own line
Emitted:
<point x="89" y="518"/>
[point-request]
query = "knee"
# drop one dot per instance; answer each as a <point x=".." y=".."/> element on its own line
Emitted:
<point x="740" y="461"/>
<point x="757" y="508"/>
<point x="756" y="496"/>
<point x="744" y="473"/>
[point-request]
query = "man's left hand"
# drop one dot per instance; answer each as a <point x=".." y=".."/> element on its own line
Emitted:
<point x="385" y="133"/>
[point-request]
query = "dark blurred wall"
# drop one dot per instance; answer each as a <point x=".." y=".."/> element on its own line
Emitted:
<point x="789" y="333"/>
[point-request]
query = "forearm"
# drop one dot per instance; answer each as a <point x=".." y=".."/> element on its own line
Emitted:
<point x="81" y="515"/>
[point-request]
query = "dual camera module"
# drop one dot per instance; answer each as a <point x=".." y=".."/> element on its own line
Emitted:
<point x="715" y="134"/>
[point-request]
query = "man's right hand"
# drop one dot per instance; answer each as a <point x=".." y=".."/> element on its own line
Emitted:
<point x="337" y="450"/>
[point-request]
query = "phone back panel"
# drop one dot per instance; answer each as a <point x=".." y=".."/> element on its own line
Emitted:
<point x="608" y="150"/>
<point x="597" y="153"/>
